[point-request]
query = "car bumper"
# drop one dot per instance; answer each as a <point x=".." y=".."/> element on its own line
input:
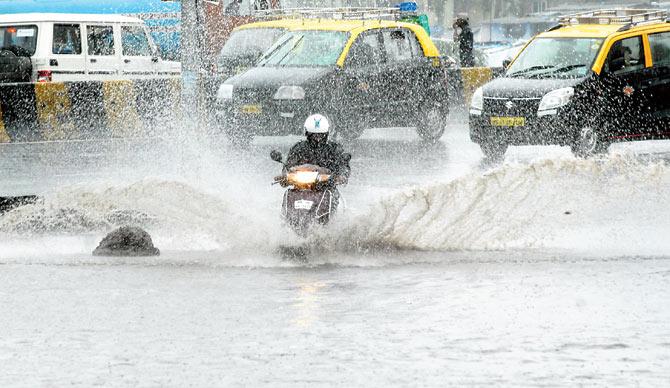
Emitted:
<point x="558" y="129"/>
<point x="268" y="118"/>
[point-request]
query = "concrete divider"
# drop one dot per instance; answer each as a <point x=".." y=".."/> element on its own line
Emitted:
<point x="463" y="82"/>
<point x="88" y="109"/>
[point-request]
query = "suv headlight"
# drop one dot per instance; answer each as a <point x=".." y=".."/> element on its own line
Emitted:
<point x="555" y="99"/>
<point x="225" y="92"/>
<point x="290" y="93"/>
<point x="477" y="103"/>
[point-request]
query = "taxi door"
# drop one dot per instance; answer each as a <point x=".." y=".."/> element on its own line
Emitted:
<point x="137" y="55"/>
<point x="400" y="76"/>
<point x="626" y="93"/>
<point x="659" y="81"/>
<point x="102" y="61"/>
<point x="363" y="91"/>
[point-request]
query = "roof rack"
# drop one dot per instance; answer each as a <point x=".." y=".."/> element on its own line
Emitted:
<point x="615" y="16"/>
<point x="343" y="13"/>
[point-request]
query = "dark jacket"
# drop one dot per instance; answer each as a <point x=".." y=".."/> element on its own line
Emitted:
<point x="329" y="155"/>
<point x="466" y="46"/>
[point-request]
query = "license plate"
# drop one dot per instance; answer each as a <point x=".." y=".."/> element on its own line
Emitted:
<point x="303" y="204"/>
<point x="251" y="109"/>
<point x="508" y="121"/>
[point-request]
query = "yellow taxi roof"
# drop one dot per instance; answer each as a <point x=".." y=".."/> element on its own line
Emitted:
<point x="593" y="30"/>
<point x="326" y="24"/>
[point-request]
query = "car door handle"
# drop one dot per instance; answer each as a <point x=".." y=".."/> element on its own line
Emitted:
<point x="126" y="61"/>
<point x="94" y="60"/>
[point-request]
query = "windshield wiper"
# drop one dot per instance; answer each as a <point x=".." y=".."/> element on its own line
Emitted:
<point x="568" y="68"/>
<point x="263" y="60"/>
<point x="295" y="45"/>
<point x="557" y="70"/>
<point x="532" y="68"/>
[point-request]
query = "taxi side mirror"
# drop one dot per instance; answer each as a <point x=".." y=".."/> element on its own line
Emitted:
<point x="506" y="63"/>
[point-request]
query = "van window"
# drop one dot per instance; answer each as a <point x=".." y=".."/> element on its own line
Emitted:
<point x="134" y="42"/>
<point x="397" y="45"/>
<point x="626" y="55"/>
<point x="66" y="39"/>
<point x="100" y="40"/>
<point x="660" y="48"/>
<point x="20" y="38"/>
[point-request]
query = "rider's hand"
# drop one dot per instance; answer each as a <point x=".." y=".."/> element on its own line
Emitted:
<point x="327" y="184"/>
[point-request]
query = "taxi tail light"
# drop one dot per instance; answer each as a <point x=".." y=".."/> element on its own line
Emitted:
<point x="44" y="76"/>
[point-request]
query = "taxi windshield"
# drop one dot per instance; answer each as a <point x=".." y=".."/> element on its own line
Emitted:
<point x="556" y="58"/>
<point x="306" y="48"/>
<point x="22" y="37"/>
<point x="242" y="42"/>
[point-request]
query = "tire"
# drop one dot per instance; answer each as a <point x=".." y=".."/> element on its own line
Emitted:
<point x="589" y="142"/>
<point x="493" y="152"/>
<point x="432" y="123"/>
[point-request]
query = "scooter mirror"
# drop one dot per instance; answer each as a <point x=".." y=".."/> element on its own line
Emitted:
<point x="346" y="156"/>
<point x="276" y="156"/>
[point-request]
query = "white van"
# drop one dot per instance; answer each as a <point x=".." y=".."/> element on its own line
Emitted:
<point x="76" y="47"/>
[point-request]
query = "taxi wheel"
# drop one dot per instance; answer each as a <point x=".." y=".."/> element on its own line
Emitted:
<point x="589" y="142"/>
<point x="432" y="123"/>
<point x="493" y="151"/>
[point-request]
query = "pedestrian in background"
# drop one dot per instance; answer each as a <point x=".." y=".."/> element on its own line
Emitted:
<point x="464" y="40"/>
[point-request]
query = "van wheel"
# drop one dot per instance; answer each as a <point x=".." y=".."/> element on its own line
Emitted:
<point x="589" y="142"/>
<point x="432" y="123"/>
<point x="493" y="152"/>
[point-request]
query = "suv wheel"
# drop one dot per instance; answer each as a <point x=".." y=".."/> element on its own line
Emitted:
<point x="493" y="151"/>
<point x="432" y="123"/>
<point x="589" y="142"/>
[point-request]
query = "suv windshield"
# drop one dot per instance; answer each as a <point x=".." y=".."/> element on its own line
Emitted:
<point x="306" y="48"/>
<point x="253" y="40"/>
<point x="22" y="37"/>
<point x="556" y="58"/>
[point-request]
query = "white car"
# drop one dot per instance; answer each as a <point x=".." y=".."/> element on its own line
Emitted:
<point x="77" y="47"/>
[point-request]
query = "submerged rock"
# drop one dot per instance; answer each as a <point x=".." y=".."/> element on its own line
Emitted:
<point x="127" y="241"/>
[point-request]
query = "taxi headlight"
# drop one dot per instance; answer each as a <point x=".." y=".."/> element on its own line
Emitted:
<point x="225" y="92"/>
<point x="477" y="103"/>
<point x="290" y="93"/>
<point x="556" y="99"/>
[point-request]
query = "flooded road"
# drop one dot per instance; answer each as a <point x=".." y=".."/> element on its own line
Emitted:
<point x="546" y="270"/>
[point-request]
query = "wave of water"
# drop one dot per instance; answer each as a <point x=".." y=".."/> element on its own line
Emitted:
<point x="616" y="206"/>
<point x="612" y="206"/>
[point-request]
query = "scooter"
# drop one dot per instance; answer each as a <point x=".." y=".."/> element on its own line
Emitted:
<point x="305" y="203"/>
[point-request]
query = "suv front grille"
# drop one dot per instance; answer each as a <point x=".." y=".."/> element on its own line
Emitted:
<point x="521" y="107"/>
<point x="255" y="95"/>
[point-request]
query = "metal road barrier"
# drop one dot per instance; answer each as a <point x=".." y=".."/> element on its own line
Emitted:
<point x="87" y="109"/>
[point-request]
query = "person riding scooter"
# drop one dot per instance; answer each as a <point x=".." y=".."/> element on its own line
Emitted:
<point x="321" y="152"/>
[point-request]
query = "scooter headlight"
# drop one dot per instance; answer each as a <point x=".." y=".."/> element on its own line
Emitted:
<point x="303" y="177"/>
<point x="555" y="99"/>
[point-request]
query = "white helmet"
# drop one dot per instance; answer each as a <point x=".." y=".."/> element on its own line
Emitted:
<point x="317" y="124"/>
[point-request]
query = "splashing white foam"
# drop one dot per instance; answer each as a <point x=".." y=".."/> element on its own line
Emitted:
<point x="612" y="207"/>
<point x="615" y="206"/>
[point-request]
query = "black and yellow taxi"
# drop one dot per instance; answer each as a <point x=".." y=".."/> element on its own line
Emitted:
<point x="596" y="78"/>
<point x="359" y="73"/>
